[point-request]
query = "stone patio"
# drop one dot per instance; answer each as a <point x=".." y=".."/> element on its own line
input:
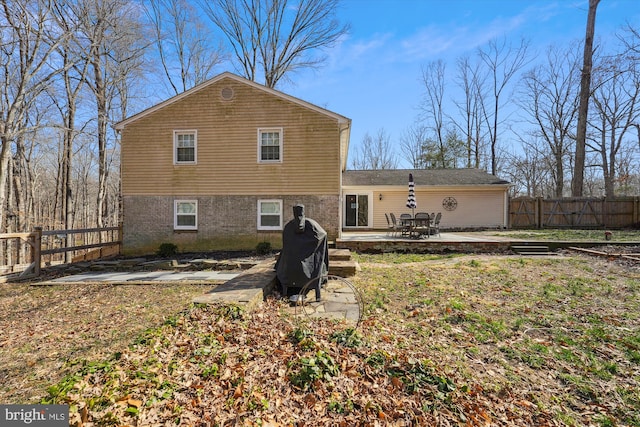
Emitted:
<point x="252" y="286"/>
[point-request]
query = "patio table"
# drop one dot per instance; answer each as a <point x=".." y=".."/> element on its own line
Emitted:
<point x="418" y="227"/>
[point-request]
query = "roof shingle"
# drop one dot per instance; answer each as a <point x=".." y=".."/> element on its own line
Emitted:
<point x="421" y="177"/>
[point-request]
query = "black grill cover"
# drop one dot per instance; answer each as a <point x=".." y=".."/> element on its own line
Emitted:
<point x="305" y="253"/>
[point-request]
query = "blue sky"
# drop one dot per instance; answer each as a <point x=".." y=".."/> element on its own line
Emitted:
<point x="373" y="75"/>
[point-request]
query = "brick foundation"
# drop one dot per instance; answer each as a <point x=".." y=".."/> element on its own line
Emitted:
<point x="224" y="222"/>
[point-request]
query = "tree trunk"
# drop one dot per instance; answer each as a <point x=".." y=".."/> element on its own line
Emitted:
<point x="101" y="102"/>
<point x="4" y="177"/>
<point x="583" y="108"/>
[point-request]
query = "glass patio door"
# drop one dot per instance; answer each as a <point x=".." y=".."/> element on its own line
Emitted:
<point x="356" y="210"/>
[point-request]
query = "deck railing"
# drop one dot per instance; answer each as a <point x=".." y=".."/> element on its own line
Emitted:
<point x="22" y="255"/>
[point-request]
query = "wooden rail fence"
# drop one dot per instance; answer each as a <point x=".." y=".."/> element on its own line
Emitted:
<point x="22" y="255"/>
<point x="582" y="212"/>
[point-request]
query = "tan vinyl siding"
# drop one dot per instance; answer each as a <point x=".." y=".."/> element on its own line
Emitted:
<point x="477" y="206"/>
<point x="227" y="147"/>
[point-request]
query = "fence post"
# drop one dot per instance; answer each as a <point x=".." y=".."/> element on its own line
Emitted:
<point x="37" y="250"/>
<point x="120" y="235"/>
<point x="538" y="212"/>
<point x="68" y="256"/>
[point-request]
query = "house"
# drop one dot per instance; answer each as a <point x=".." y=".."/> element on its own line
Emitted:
<point x="221" y="165"/>
<point x="467" y="198"/>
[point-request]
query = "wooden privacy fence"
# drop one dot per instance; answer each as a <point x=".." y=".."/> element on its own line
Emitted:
<point x="581" y="212"/>
<point x="23" y="254"/>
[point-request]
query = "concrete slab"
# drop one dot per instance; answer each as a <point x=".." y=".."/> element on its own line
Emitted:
<point x="146" y="276"/>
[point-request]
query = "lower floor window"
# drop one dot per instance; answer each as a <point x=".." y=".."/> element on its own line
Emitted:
<point x="185" y="215"/>
<point x="269" y="214"/>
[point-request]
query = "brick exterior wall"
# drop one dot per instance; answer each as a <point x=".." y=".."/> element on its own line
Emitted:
<point x="224" y="222"/>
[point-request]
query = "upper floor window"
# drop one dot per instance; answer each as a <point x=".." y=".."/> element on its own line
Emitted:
<point x="269" y="214"/>
<point x="270" y="145"/>
<point x="185" y="215"/>
<point x="184" y="146"/>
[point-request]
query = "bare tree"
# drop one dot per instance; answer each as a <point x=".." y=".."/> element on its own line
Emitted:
<point x="616" y="102"/>
<point x="112" y="32"/>
<point x="413" y="143"/>
<point x="276" y="37"/>
<point x="583" y="109"/>
<point x="433" y="79"/>
<point x="550" y="99"/>
<point x="502" y="61"/>
<point x="74" y="76"/>
<point x="30" y="40"/>
<point x="528" y="172"/>
<point x="470" y="123"/>
<point x="631" y="40"/>
<point x="186" y="53"/>
<point x="375" y="153"/>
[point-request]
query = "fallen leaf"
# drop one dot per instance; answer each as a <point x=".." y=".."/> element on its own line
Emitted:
<point x="135" y="403"/>
<point x="238" y="392"/>
<point x="396" y="382"/>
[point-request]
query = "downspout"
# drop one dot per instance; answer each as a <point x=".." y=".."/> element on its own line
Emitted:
<point x="340" y="195"/>
<point x="340" y="213"/>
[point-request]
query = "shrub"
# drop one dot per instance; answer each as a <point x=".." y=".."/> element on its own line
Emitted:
<point x="263" y="248"/>
<point x="167" y="249"/>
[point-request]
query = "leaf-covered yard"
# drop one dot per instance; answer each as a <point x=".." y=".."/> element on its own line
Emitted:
<point x="459" y="340"/>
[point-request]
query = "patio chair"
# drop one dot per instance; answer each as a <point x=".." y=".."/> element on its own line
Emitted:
<point x="422" y="224"/>
<point x="391" y="229"/>
<point x="432" y="219"/>
<point x="405" y="221"/>
<point x="403" y="229"/>
<point x="436" y="224"/>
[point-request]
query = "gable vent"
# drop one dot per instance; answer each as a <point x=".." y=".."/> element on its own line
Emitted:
<point x="226" y="93"/>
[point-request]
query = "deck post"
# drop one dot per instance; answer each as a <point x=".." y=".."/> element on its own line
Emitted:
<point x="37" y="250"/>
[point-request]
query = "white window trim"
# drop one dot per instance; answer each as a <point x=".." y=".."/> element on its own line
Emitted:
<point x="281" y="132"/>
<point x="261" y="227"/>
<point x="175" y="146"/>
<point x="175" y="215"/>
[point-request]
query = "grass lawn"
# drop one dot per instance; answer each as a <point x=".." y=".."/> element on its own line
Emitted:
<point x="445" y="340"/>
<point x="571" y="235"/>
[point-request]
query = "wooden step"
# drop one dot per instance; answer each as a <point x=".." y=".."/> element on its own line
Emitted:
<point x="529" y="250"/>
<point x="536" y="253"/>
<point x="339" y="254"/>
<point x="343" y="268"/>
<point x="340" y="263"/>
